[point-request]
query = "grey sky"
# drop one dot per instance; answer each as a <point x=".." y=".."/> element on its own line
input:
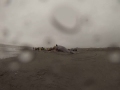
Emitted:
<point x="28" y="22"/>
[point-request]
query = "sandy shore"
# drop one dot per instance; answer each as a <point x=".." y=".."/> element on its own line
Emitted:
<point x="86" y="70"/>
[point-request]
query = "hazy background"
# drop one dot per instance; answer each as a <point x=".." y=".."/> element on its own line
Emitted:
<point x="94" y="23"/>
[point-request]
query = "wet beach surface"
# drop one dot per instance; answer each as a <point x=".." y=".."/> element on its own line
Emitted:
<point x="87" y="70"/>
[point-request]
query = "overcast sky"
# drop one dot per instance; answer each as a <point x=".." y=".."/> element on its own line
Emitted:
<point x="94" y="23"/>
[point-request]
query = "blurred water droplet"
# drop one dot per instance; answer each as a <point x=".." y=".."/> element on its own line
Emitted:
<point x="8" y="2"/>
<point x="14" y="66"/>
<point x="65" y="19"/>
<point x="113" y="45"/>
<point x="114" y="57"/>
<point x="49" y="42"/>
<point x="4" y="2"/>
<point x="96" y="38"/>
<point x="5" y="32"/>
<point x="16" y="39"/>
<point x="25" y="56"/>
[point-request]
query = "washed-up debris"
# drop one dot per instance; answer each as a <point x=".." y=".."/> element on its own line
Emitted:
<point x="57" y="48"/>
<point x="8" y="51"/>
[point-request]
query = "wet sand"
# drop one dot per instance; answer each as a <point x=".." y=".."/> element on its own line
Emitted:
<point x="86" y="70"/>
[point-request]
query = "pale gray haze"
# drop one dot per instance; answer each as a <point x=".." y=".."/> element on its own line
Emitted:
<point x="71" y="23"/>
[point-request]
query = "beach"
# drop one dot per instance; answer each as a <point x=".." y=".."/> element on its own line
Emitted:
<point x="85" y="70"/>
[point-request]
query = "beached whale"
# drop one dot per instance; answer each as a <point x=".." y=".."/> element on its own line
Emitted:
<point x="63" y="49"/>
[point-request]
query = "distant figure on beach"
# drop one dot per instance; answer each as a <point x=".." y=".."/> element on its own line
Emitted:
<point x="62" y="49"/>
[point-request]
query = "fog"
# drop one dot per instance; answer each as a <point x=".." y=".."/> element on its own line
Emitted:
<point x="84" y="23"/>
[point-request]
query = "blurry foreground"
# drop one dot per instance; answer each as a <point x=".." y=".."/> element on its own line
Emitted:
<point x="90" y="69"/>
